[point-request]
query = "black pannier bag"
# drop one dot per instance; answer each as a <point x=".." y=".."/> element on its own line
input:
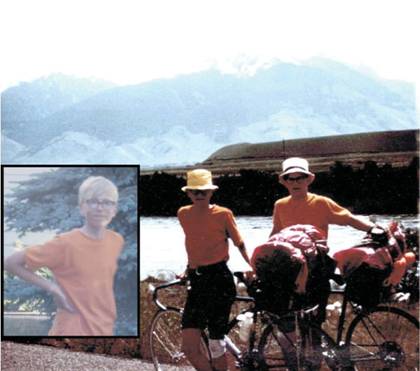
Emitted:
<point x="365" y="286"/>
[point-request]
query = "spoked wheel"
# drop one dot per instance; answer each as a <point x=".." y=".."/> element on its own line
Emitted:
<point x="271" y="349"/>
<point x="166" y="341"/>
<point x="318" y="351"/>
<point x="385" y="339"/>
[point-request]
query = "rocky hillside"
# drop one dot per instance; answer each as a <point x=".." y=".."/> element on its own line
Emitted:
<point x="184" y="119"/>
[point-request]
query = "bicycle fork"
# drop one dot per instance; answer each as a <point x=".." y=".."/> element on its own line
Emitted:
<point x="248" y="360"/>
<point x="240" y="358"/>
<point x="232" y="348"/>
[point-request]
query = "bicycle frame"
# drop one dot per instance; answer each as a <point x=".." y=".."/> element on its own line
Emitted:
<point x="230" y="345"/>
<point x="342" y="318"/>
<point x="252" y="358"/>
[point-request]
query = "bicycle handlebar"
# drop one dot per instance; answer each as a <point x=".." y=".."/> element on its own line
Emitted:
<point x="180" y="281"/>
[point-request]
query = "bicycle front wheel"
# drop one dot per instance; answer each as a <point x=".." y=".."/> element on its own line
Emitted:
<point x="271" y="349"/>
<point x="279" y="351"/>
<point x="165" y="339"/>
<point x="384" y="339"/>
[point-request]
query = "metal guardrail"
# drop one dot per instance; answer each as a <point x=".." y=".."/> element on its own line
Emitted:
<point x="26" y="324"/>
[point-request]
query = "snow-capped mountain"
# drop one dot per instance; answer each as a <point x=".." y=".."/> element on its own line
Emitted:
<point x="185" y="119"/>
<point x="177" y="146"/>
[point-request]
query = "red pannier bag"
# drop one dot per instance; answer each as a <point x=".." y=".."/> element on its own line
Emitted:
<point x="372" y="269"/>
<point x="294" y="260"/>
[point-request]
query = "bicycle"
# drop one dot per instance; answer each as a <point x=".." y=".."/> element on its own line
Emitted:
<point x="366" y="343"/>
<point x="381" y="337"/>
<point x="261" y="353"/>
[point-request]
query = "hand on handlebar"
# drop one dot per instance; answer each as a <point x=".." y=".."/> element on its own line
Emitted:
<point x="245" y="278"/>
<point x="379" y="234"/>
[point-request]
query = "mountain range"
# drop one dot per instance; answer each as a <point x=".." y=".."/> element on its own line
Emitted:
<point x="183" y="120"/>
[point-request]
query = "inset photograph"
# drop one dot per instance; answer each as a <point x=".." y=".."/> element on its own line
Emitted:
<point x="70" y="251"/>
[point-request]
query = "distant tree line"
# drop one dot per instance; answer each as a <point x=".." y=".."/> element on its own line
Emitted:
<point x="372" y="189"/>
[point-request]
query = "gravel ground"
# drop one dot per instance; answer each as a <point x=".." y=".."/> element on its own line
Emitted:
<point x="22" y="357"/>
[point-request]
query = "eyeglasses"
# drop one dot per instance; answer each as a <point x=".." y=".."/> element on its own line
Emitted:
<point x="105" y="204"/>
<point x="297" y="179"/>
<point x="197" y="192"/>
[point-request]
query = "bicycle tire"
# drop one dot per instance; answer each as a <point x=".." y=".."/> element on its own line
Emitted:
<point x="273" y="356"/>
<point x="165" y="339"/>
<point x="383" y="338"/>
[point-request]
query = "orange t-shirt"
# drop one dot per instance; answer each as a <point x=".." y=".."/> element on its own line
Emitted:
<point x="207" y="233"/>
<point x="316" y="210"/>
<point x="84" y="268"/>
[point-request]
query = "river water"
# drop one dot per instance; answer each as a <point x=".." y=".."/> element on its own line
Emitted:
<point x="162" y="250"/>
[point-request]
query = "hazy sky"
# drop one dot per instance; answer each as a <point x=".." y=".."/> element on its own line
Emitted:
<point x="128" y="42"/>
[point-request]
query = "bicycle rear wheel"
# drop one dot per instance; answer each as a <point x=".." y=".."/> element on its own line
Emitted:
<point x="384" y="339"/>
<point x="165" y="339"/>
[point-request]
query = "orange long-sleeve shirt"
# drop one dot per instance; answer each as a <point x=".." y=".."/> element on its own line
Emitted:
<point x="84" y="268"/>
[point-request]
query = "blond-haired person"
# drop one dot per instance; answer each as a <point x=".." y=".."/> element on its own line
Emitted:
<point x="83" y="262"/>
<point x="207" y="228"/>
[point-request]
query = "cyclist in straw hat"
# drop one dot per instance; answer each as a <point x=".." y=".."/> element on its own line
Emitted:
<point x="207" y="228"/>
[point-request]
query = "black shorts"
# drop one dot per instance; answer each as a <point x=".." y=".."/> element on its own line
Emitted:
<point x="209" y="299"/>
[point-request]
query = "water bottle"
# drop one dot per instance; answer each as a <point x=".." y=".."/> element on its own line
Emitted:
<point x="245" y="324"/>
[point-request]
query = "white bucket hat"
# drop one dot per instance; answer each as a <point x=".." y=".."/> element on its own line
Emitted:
<point x="295" y="165"/>
<point x="199" y="179"/>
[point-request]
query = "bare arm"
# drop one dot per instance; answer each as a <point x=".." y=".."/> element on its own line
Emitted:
<point x="360" y="224"/>
<point x="273" y="231"/>
<point x="276" y="221"/>
<point x="15" y="264"/>
<point x="244" y="253"/>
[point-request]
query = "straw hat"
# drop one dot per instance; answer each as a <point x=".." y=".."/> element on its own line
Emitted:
<point x="295" y="165"/>
<point x="199" y="179"/>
